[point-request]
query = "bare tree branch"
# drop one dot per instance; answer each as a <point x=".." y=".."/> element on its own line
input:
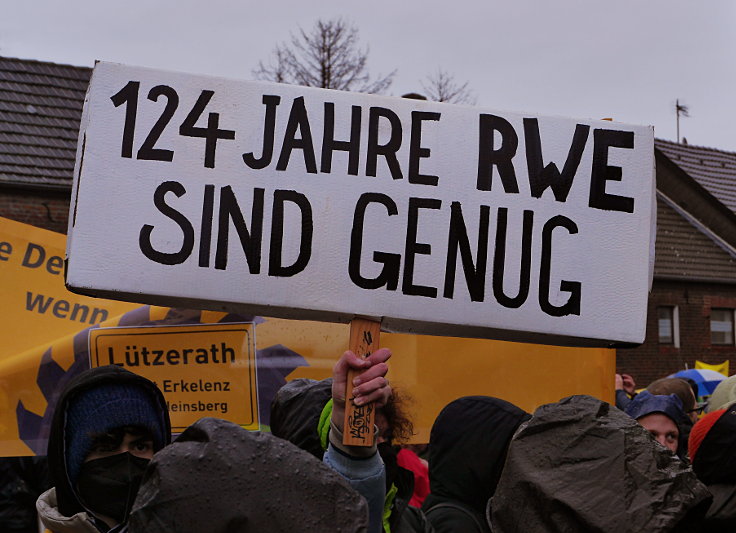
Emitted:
<point x="327" y="56"/>
<point x="442" y="87"/>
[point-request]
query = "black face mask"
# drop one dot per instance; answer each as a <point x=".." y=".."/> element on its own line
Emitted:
<point x="108" y="485"/>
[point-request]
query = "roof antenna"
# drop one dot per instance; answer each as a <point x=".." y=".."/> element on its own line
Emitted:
<point x="680" y="109"/>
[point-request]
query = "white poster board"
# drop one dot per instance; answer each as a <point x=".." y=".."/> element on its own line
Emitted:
<point x="306" y="203"/>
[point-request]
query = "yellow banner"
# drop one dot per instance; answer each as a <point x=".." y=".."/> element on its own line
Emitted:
<point x="429" y="372"/>
<point x="721" y="368"/>
<point x="36" y="307"/>
<point x="207" y="370"/>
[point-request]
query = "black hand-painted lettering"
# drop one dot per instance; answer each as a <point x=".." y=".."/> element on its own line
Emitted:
<point x="572" y="306"/>
<point x="540" y="176"/>
<point x="275" y="268"/>
<point x="414" y="248"/>
<point x="298" y="120"/>
<point x="147" y="151"/>
<point x="211" y="133"/>
<point x="389" y="275"/>
<point x="499" y="259"/>
<point x="387" y="150"/>
<point x="128" y="95"/>
<point x="490" y="156"/>
<point x="367" y="338"/>
<point x="417" y="151"/>
<point x="250" y="239"/>
<point x="269" y="129"/>
<point x="329" y="144"/>
<point x="144" y="239"/>
<point x="603" y="172"/>
<point x="475" y="272"/>
<point x="205" y="236"/>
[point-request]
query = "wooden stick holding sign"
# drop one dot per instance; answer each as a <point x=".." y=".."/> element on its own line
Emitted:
<point x="359" y="419"/>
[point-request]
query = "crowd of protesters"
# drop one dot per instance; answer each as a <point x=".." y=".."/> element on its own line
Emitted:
<point x="654" y="462"/>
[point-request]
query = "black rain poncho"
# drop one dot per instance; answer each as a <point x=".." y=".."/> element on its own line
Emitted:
<point x="219" y="478"/>
<point x="583" y="465"/>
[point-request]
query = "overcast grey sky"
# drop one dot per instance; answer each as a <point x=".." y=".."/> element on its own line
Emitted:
<point x="626" y="59"/>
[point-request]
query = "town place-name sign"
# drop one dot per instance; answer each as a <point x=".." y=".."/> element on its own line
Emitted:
<point x="308" y="203"/>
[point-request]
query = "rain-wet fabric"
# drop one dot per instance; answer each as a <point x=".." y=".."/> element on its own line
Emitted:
<point x="219" y="478"/>
<point x="714" y="462"/>
<point x="583" y="465"/>
<point x="721" y="515"/>
<point x="22" y="481"/>
<point x="467" y="449"/>
<point x="296" y="411"/>
<point x="65" y="495"/>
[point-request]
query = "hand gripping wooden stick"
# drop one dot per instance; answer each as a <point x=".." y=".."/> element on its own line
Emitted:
<point x="359" y="420"/>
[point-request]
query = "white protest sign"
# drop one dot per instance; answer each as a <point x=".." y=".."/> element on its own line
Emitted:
<point x="307" y="203"/>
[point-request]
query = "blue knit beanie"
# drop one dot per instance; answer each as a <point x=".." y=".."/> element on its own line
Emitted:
<point x="102" y="409"/>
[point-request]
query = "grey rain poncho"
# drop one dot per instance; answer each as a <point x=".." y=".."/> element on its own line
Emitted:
<point x="583" y="465"/>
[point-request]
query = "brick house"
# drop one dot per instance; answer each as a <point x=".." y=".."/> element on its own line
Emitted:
<point x="693" y="298"/>
<point x="691" y="307"/>
<point x="40" y="111"/>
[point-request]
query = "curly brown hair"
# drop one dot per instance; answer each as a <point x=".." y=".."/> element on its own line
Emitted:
<point x="400" y="427"/>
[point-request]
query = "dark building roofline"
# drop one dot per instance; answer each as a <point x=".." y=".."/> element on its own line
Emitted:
<point x="693" y="147"/>
<point x="688" y="193"/>
<point x="26" y="186"/>
<point x="85" y="72"/>
<point x="40" y="113"/>
<point x="725" y="246"/>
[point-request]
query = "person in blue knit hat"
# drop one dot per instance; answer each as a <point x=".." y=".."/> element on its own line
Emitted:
<point x="107" y="425"/>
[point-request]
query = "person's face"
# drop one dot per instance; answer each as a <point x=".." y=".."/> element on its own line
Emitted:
<point x="662" y="428"/>
<point x="140" y="446"/>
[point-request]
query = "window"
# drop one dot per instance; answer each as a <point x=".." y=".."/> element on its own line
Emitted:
<point x="721" y="326"/>
<point x="664" y="317"/>
<point x="668" y="325"/>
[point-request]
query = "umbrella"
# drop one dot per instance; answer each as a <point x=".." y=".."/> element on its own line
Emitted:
<point x="707" y="380"/>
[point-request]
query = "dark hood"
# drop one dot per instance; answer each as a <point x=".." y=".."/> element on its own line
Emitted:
<point x="219" y="478"/>
<point x="295" y="413"/>
<point x="670" y="405"/>
<point x="66" y="495"/>
<point x="583" y="465"/>
<point x="715" y="461"/>
<point x="646" y="403"/>
<point x="467" y="448"/>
